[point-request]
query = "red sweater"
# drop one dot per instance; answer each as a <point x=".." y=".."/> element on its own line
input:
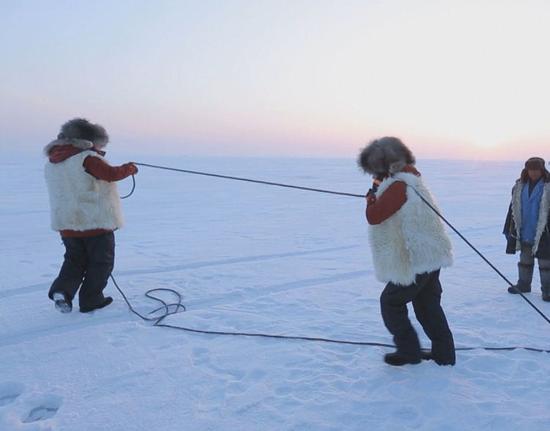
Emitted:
<point x="96" y="167"/>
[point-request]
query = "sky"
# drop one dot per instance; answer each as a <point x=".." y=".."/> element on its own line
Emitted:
<point x="454" y="79"/>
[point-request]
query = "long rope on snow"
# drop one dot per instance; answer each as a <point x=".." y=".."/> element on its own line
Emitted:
<point x="177" y="307"/>
<point x="310" y="189"/>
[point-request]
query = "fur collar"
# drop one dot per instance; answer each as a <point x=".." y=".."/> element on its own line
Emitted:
<point x="81" y="144"/>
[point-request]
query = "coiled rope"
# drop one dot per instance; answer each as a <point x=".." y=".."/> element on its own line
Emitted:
<point x="177" y="307"/>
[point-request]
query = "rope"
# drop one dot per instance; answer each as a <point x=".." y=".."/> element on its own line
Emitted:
<point x="133" y="188"/>
<point x="481" y="255"/>
<point x="174" y="308"/>
<point x="249" y="180"/>
<point x="350" y="195"/>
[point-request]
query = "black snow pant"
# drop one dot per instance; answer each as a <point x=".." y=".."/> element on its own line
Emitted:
<point x="425" y="294"/>
<point x="88" y="264"/>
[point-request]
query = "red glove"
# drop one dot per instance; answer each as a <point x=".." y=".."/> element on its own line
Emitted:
<point x="371" y="194"/>
<point x="132" y="169"/>
<point x="371" y="197"/>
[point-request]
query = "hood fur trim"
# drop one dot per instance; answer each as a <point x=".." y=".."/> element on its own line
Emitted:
<point x="385" y="156"/>
<point x="80" y="128"/>
<point x="77" y="143"/>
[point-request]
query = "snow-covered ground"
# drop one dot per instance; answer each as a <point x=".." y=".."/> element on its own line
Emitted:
<point x="261" y="259"/>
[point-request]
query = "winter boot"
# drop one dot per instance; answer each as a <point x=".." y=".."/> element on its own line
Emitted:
<point x="545" y="283"/>
<point x="62" y="302"/>
<point x="397" y="359"/>
<point x="106" y="301"/>
<point x="426" y="355"/>
<point x="525" y="277"/>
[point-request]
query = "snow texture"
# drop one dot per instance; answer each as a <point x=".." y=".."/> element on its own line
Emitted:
<point x="257" y="258"/>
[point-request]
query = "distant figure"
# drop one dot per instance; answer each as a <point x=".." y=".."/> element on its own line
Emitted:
<point x="526" y="227"/>
<point x="85" y="209"/>
<point x="409" y="247"/>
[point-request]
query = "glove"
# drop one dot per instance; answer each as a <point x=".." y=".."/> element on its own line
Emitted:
<point x="132" y="169"/>
<point x="371" y="196"/>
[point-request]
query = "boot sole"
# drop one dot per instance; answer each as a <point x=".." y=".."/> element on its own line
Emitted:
<point x="62" y="306"/>
<point x="61" y="303"/>
<point x="401" y="363"/>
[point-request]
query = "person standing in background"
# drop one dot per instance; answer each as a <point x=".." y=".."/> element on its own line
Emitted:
<point x="526" y="226"/>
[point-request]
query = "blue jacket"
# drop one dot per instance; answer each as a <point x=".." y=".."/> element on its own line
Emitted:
<point x="516" y="215"/>
<point x="530" y="206"/>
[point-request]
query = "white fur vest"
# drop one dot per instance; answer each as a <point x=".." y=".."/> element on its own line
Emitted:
<point x="544" y="209"/>
<point x="78" y="201"/>
<point x="413" y="240"/>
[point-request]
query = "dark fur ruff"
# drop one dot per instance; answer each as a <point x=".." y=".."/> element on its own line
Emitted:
<point x="385" y="156"/>
<point x="80" y="128"/>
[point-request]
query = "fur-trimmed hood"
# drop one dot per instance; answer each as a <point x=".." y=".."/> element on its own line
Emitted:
<point x="80" y="128"/>
<point x="385" y="156"/>
<point x="77" y="135"/>
<point x="78" y="144"/>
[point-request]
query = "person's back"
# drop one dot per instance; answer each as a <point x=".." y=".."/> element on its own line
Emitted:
<point x="410" y="238"/>
<point x="78" y="201"/>
<point x="85" y="209"/>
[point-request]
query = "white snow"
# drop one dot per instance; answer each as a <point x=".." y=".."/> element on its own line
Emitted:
<point x="256" y="258"/>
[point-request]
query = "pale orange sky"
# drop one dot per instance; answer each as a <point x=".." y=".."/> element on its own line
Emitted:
<point x="454" y="79"/>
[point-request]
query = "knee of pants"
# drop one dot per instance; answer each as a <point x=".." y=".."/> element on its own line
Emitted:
<point x="76" y="260"/>
<point x="526" y="257"/>
<point x="396" y="295"/>
<point x="385" y="299"/>
<point x="390" y="302"/>
<point x="106" y="260"/>
<point x="100" y="270"/>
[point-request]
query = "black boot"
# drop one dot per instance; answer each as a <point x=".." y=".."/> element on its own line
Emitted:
<point x="446" y="361"/>
<point x="525" y="277"/>
<point x="397" y="359"/>
<point x="106" y="301"/>
<point x="545" y="283"/>
<point x="516" y="288"/>
<point x="426" y="355"/>
<point x="62" y="302"/>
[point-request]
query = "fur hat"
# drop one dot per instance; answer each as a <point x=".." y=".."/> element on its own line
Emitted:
<point x="80" y="128"/>
<point x="535" y="163"/>
<point x="384" y="156"/>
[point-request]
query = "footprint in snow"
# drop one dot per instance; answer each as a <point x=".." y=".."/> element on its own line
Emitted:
<point x="9" y="392"/>
<point x="43" y="408"/>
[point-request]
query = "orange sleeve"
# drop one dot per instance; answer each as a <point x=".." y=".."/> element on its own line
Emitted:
<point x="101" y="170"/>
<point x="388" y="204"/>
